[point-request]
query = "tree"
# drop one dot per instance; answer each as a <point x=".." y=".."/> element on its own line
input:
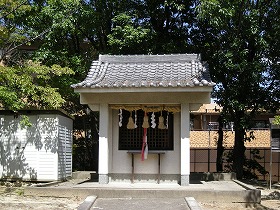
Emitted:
<point x="173" y="23"/>
<point x="236" y="41"/>
<point x="25" y="83"/>
<point x="154" y="27"/>
<point x="12" y="36"/>
<point x="127" y="37"/>
<point x="77" y="32"/>
<point x="30" y="85"/>
<point x="45" y="32"/>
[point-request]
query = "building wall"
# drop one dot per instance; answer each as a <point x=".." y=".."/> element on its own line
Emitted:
<point x="201" y="139"/>
<point x="201" y="121"/>
<point x="204" y="159"/>
<point x="47" y="137"/>
<point x="121" y="160"/>
<point x="31" y="153"/>
<point x="65" y="140"/>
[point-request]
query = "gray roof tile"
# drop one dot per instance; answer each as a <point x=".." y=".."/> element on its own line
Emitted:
<point x="178" y="70"/>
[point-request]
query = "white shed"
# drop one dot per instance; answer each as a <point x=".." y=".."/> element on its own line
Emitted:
<point x="42" y="152"/>
<point x="144" y="102"/>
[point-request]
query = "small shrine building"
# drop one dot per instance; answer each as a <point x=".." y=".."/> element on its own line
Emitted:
<point x="144" y="104"/>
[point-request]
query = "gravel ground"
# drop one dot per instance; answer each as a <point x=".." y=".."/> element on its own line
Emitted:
<point x="12" y="202"/>
<point x="266" y="205"/>
<point x="11" y="198"/>
<point x="270" y="200"/>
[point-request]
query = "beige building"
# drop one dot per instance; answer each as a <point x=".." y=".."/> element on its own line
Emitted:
<point x="207" y="114"/>
<point x="203" y="142"/>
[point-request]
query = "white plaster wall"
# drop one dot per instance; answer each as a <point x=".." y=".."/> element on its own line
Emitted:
<point x="202" y="97"/>
<point x="121" y="160"/>
<point x="171" y="160"/>
<point x="110" y="139"/>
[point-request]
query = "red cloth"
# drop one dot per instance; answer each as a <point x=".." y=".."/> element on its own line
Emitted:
<point x="144" y="151"/>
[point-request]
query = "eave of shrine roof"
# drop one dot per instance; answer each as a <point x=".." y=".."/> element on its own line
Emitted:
<point x="147" y="71"/>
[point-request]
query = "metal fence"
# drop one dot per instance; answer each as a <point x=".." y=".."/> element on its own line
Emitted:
<point x="204" y="160"/>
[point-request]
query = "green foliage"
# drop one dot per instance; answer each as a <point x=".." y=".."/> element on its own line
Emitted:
<point x="29" y="86"/>
<point x="12" y="34"/>
<point x="276" y="120"/>
<point x="73" y="33"/>
<point x="235" y="44"/>
<point x="173" y="24"/>
<point x="127" y="38"/>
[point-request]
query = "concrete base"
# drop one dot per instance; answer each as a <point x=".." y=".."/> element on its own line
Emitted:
<point x="103" y="178"/>
<point x="185" y="180"/>
<point x="224" y="191"/>
<point x="86" y="205"/>
<point x="82" y="174"/>
<point x="145" y="178"/>
<point x="192" y="203"/>
<point x="212" y="176"/>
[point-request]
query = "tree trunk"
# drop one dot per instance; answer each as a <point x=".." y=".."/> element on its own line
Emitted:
<point x="220" y="148"/>
<point x="238" y="152"/>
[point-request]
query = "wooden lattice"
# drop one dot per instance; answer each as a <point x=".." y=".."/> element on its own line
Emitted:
<point x="158" y="139"/>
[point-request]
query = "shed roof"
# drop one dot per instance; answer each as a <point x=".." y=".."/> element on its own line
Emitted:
<point x="142" y="71"/>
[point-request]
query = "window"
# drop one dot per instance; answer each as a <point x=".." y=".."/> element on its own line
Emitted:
<point x="260" y="124"/>
<point x="158" y="139"/>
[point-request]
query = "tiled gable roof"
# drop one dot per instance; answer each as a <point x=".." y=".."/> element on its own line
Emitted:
<point x="176" y="70"/>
